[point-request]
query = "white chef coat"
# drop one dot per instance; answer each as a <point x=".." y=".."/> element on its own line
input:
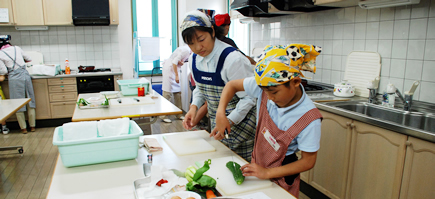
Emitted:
<point x="169" y="84"/>
<point x="5" y="61"/>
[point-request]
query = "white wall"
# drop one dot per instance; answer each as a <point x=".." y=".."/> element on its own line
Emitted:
<point x="403" y="36"/>
<point x="125" y="38"/>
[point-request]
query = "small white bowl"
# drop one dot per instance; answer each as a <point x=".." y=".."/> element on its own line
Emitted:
<point x="184" y="195"/>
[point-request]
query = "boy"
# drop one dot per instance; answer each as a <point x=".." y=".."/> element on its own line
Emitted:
<point x="287" y="120"/>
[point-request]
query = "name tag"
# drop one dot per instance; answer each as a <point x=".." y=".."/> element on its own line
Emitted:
<point x="272" y="141"/>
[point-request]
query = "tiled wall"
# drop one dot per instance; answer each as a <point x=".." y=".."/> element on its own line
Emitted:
<point x="82" y="45"/>
<point x="403" y="36"/>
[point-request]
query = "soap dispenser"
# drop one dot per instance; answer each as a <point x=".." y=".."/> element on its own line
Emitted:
<point x="390" y="96"/>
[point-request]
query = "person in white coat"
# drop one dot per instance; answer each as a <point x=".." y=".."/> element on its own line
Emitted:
<point x="12" y="63"/>
<point x="171" y="79"/>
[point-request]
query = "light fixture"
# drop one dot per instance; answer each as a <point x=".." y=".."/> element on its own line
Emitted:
<point x="370" y="4"/>
<point x="31" y="27"/>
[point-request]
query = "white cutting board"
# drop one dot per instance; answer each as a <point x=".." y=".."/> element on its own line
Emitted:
<point x="37" y="59"/>
<point x="362" y="67"/>
<point x="187" y="144"/>
<point x="131" y="101"/>
<point x="225" y="183"/>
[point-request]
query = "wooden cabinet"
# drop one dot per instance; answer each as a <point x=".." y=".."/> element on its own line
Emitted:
<point x="57" y="12"/>
<point x="28" y="12"/>
<point x="63" y="96"/>
<point x="376" y="162"/>
<point x="41" y="99"/>
<point x="115" y="79"/>
<point x="7" y="4"/>
<point x="329" y="175"/>
<point x="418" y="174"/>
<point x="114" y="13"/>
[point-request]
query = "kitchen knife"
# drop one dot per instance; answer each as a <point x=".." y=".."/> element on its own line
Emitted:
<point x="232" y="156"/>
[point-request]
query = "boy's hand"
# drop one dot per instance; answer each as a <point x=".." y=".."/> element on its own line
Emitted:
<point x="222" y="124"/>
<point x="2" y="78"/>
<point x="256" y="170"/>
<point x="189" y="117"/>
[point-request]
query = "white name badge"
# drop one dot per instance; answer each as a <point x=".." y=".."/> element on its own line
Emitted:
<point x="270" y="139"/>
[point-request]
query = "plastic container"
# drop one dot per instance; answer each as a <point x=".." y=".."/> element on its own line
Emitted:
<point x="98" y="150"/>
<point x="129" y="86"/>
<point x="67" y="68"/>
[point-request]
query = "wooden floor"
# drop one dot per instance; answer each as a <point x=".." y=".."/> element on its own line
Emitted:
<point x="28" y="175"/>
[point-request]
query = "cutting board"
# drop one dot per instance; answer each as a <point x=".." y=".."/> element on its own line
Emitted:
<point x="129" y="101"/>
<point x="187" y="144"/>
<point x="226" y="184"/>
<point x="37" y="59"/>
<point x="362" y="67"/>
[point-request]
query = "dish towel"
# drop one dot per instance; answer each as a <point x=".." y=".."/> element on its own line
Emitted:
<point x="114" y="127"/>
<point x="79" y="130"/>
<point x="151" y="144"/>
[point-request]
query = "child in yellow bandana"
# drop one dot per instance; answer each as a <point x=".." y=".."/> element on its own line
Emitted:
<point x="287" y="120"/>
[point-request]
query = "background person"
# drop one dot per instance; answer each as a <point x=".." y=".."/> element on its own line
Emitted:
<point x="213" y="64"/>
<point x="171" y="79"/>
<point x="12" y="63"/>
<point x="287" y="120"/>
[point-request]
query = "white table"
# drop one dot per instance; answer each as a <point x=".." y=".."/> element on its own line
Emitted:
<point x="161" y="107"/>
<point x="115" y="180"/>
<point x="7" y="108"/>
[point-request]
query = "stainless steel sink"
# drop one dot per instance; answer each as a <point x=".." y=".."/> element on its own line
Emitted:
<point x="419" y="120"/>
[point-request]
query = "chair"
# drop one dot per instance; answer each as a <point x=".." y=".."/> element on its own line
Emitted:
<point x="156" y="87"/>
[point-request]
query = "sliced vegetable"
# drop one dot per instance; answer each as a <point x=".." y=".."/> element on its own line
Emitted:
<point x="160" y="182"/>
<point x="106" y="102"/>
<point x="200" y="182"/>
<point x="202" y="170"/>
<point x="210" y="194"/>
<point x="234" y="167"/>
<point x="82" y="102"/>
<point x="190" y="172"/>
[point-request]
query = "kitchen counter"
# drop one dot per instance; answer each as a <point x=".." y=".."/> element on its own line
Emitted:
<point x="318" y="100"/>
<point x="75" y="74"/>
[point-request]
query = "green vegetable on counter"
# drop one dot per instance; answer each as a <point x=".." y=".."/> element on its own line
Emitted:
<point x="200" y="182"/>
<point x="82" y="102"/>
<point x="190" y="171"/>
<point x="106" y="102"/>
<point x="234" y="167"/>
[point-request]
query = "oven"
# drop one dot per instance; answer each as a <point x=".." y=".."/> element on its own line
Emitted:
<point x="95" y="84"/>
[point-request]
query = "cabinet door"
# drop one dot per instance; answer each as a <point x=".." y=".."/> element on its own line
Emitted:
<point x="116" y="78"/>
<point x="418" y="174"/>
<point x="329" y="175"/>
<point x="7" y="4"/>
<point x="28" y="12"/>
<point x="42" y="101"/>
<point x="62" y="109"/>
<point x="62" y="88"/>
<point x="376" y="162"/>
<point x="114" y="13"/>
<point x="57" y="12"/>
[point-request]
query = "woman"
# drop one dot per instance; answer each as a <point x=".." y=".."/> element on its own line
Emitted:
<point x="12" y="63"/>
<point x="213" y="64"/>
<point x="171" y="80"/>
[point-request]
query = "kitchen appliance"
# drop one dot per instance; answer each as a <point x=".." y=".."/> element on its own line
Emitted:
<point x="95" y="84"/>
<point x="344" y="89"/>
<point x="90" y="13"/>
<point x="272" y="8"/>
<point x="86" y="68"/>
<point x="311" y="87"/>
<point x="226" y="185"/>
<point x="90" y="69"/>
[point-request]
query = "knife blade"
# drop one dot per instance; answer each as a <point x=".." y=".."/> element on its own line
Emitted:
<point x="232" y="155"/>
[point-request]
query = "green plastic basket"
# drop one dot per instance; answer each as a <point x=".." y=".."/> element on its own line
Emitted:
<point x="129" y="86"/>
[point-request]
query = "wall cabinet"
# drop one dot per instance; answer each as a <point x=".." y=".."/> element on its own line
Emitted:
<point x="47" y="12"/>
<point x="28" y="12"/>
<point x="7" y="4"/>
<point x="418" y="173"/>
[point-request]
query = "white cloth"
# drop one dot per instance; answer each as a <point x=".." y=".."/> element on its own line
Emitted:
<point x="79" y="130"/>
<point x="49" y="70"/>
<point x="180" y="54"/>
<point x="236" y="66"/>
<point x="113" y="127"/>
<point x="5" y="61"/>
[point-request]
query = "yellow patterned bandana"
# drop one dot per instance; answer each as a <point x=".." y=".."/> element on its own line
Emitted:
<point x="279" y="64"/>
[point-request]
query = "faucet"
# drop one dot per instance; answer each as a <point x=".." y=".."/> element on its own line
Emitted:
<point x="407" y="100"/>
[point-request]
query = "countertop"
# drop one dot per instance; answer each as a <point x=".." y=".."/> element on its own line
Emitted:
<point x="75" y="74"/>
<point x="319" y="98"/>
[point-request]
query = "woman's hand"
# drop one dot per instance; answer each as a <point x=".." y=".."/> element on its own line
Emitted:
<point x="222" y="124"/>
<point x="256" y="170"/>
<point x="177" y="79"/>
<point x="189" y="118"/>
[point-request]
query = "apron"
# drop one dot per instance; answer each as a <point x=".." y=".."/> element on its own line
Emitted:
<point x="20" y="82"/>
<point x="266" y="156"/>
<point x="241" y="138"/>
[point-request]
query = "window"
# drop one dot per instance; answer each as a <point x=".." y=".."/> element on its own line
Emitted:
<point x="152" y="18"/>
